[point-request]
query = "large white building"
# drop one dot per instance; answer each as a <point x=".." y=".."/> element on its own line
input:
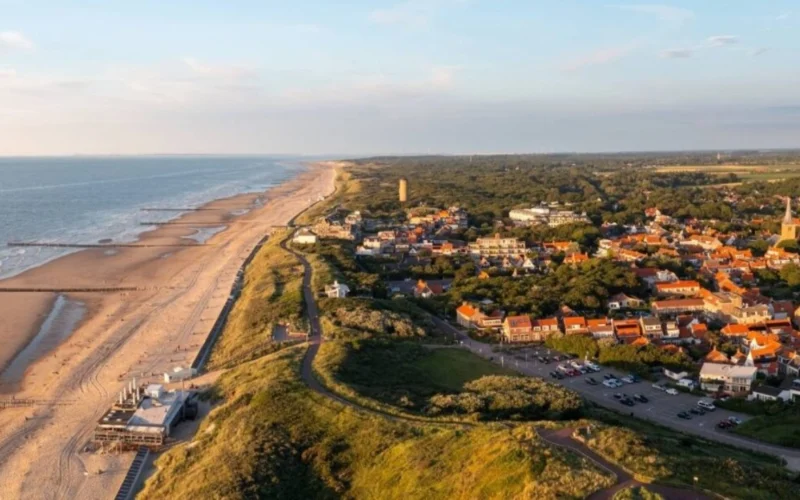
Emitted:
<point x="497" y="247"/>
<point x="544" y="215"/>
<point x="729" y="378"/>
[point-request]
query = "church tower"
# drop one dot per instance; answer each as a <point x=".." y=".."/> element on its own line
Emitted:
<point x="788" y="227"/>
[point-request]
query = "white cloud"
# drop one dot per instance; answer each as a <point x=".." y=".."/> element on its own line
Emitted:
<point x="666" y="13"/>
<point x="7" y="73"/>
<point x="722" y="40"/>
<point x="14" y="40"/>
<point x="677" y="53"/>
<point x="598" y="57"/>
<point x="412" y="13"/>
<point x="218" y="71"/>
<point x="443" y="76"/>
<point x="782" y="16"/>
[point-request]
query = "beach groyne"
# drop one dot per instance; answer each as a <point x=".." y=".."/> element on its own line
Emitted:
<point x="100" y="245"/>
<point x="108" y="289"/>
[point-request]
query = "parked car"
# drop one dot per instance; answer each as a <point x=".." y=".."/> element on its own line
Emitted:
<point x="608" y="376"/>
<point x="684" y="415"/>
<point x="724" y="424"/>
<point x="618" y="395"/>
<point x="591" y="381"/>
<point x="627" y="401"/>
<point x="735" y="420"/>
<point x="640" y="398"/>
<point x="634" y="377"/>
<point x="672" y="392"/>
<point x="556" y="375"/>
<point x="706" y="405"/>
<point x="659" y="387"/>
<point x="627" y="380"/>
<point x="697" y="411"/>
<point x="610" y="384"/>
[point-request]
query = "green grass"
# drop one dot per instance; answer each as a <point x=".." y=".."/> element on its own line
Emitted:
<point x="271" y="437"/>
<point x="359" y="369"/>
<point x="272" y="294"/>
<point x="782" y="429"/>
<point x="656" y="453"/>
<point x="451" y="369"/>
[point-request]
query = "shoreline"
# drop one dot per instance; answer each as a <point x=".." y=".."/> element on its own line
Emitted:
<point x="142" y="334"/>
<point x="18" y="337"/>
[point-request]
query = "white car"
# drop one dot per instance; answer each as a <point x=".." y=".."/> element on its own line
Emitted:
<point x="735" y="420"/>
<point x="610" y="384"/>
<point x="659" y="387"/>
<point x="672" y="392"/>
<point x="627" y="380"/>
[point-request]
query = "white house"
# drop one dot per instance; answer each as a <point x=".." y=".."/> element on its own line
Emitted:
<point x="768" y="393"/>
<point x="304" y="237"/>
<point x="622" y="301"/>
<point x="730" y="378"/>
<point x="337" y="290"/>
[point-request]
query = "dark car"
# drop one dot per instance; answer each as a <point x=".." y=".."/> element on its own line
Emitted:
<point x="619" y="396"/>
<point x="697" y="411"/>
<point x="591" y="381"/>
<point x="684" y="415"/>
<point x="608" y="376"/>
<point x="627" y="401"/>
<point x="544" y="360"/>
<point x="640" y="398"/>
<point x="724" y="424"/>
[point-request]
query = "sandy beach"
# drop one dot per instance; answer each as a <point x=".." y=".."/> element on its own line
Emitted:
<point x="179" y="293"/>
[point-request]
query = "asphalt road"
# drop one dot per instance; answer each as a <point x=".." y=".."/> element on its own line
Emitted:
<point x="661" y="408"/>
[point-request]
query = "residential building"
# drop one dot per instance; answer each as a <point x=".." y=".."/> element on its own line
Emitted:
<point x="728" y="378"/>
<point x="497" y="247"/>
<point x="600" y="328"/>
<point x="544" y="327"/>
<point x="622" y="301"/>
<point x="677" y="306"/>
<point x="518" y="329"/>
<point x="575" y="325"/>
<point x="678" y="288"/>
<point x="651" y="327"/>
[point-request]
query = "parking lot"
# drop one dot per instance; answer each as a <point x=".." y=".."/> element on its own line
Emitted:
<point x="661" y="408"/>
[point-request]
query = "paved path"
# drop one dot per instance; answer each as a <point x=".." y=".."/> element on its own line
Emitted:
<point x="563" y="438"/>
<point x="661" y="409"/>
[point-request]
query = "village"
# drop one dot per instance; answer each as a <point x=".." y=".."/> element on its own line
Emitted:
<point x="736" y="340"/>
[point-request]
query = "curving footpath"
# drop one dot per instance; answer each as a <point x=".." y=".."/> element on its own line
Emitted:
<point x="563" y="439"/>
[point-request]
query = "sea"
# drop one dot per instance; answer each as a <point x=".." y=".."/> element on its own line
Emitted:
<point x="94" y="199"/>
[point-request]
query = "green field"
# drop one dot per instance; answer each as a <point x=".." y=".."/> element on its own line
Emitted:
<point x="783" y="429"/>
<point x="451" y="368"/>
<point x="417" y="372"/>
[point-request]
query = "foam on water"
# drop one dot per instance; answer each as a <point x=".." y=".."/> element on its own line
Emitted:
<point x="89" y="199"/>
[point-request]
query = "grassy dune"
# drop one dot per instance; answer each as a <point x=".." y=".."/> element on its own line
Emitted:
<point x="272" y="294"/>
<point x="271" y="437"/>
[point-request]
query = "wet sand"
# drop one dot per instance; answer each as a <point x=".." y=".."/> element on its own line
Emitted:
<point x="141" y="333"/>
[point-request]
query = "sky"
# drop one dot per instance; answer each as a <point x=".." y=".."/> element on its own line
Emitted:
<point x="356" y="77"/>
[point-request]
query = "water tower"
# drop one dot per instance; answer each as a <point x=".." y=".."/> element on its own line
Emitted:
<point x="403" y="195"/>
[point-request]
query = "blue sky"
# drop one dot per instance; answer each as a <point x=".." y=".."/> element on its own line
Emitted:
<point x="382" y="77"/>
